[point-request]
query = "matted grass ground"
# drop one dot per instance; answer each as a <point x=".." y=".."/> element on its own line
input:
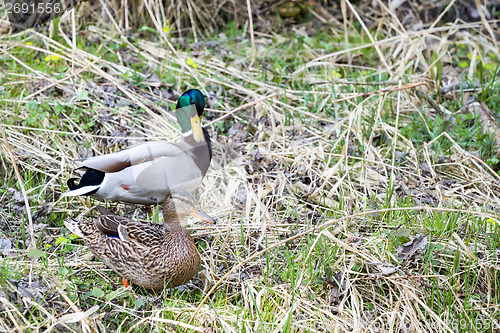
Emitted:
<point x="355" y="176"/>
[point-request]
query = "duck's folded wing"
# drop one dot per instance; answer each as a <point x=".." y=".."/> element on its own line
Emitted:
<point x="142" y="233"/>
<point x="166" y="173"/>
<point x="135" y="155"/>
<point x="108" y="222"/>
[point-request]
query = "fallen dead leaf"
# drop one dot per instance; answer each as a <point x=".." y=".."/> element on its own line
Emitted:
<point x="153" y="80"/>
<point x="5" y="246"/>
<point x="338" y="290"/>
<point x="417" y="246"/>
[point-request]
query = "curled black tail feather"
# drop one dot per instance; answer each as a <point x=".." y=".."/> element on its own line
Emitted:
<point x="71" y="184"/>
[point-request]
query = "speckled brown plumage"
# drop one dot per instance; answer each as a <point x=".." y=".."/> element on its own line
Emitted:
<point x="146" y="254"/>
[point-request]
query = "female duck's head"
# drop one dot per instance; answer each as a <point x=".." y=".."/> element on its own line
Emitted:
<point x="189" y="111"/>
<point x="177" y="205"/>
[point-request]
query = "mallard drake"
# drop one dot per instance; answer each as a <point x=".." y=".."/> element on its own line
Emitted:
<point x="146" y="254"/>
<point x="145" y="173"/>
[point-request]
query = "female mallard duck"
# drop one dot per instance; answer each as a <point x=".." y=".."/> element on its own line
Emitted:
<point x="145" y="173"/>
<point x="145" y="253"/>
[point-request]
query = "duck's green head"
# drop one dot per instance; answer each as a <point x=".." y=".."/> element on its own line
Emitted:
<point x="189" y="110"/>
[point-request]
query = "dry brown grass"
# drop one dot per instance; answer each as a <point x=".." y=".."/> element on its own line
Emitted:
<point x="294" y="196"/>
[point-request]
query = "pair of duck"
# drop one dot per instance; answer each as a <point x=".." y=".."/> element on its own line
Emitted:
<point x="148" y="254"/>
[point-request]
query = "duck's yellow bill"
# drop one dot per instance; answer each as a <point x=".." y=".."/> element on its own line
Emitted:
<point x="203" y="216"/>
<point x="196" y="129"/>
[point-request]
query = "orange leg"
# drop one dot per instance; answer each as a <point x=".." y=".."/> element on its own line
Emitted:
<point x="125" y="283"/>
